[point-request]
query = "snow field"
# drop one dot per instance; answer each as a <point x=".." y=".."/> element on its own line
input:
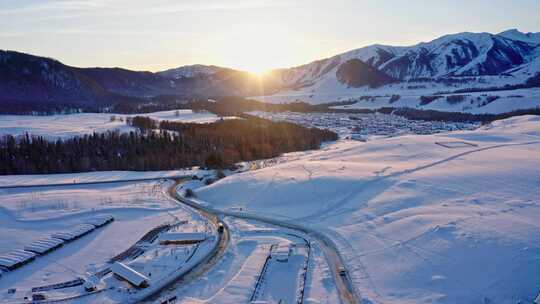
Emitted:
<point x="284" y="280"/>
<point x="475" y="103"/>
<point x="70" y="125"/>
<point x="234" y="277"/>
<point x="51" y="202"/>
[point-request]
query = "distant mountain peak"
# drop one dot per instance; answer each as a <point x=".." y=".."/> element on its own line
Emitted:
<point x="190" y="71"/>
<point x="515" y="34"/>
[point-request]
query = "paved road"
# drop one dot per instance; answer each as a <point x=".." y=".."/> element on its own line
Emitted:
<point x="345" y="287"/>
<point x="207" y="263"/>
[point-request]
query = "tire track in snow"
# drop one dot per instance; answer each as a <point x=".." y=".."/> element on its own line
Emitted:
<point x="456" y="156"/>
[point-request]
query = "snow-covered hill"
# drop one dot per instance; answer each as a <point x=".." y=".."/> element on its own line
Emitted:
<point x="448" y="218"/>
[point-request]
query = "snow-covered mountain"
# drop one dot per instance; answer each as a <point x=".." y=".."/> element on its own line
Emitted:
<point x="32" y="83"/>
<point x="457" y="55"/>
<point x="191" y="71"/>
<point x="515" y="34"/>
<point x="451" y="63"/>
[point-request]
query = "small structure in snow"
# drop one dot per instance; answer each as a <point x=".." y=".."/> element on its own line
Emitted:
<point x="181" y="238"/>
<point x="90" y="283"/>
<point x="129" y="274"/>
<point x="281" y="252"/>
<point x="62" y="285"/>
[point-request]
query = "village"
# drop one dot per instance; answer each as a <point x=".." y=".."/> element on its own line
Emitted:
<point x="359" y="126"/>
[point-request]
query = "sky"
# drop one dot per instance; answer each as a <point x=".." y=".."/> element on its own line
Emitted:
<point x="252" y="35"/>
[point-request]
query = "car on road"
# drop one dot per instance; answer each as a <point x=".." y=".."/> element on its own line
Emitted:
<point x="342" y="272"/>
<point x="220" y="227"/>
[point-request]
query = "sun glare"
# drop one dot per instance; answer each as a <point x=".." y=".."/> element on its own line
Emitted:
<point x="258" y="72"/>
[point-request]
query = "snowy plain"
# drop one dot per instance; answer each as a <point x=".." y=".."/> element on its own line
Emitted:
<point x="69" y="125"/>
<point x="416" y="221"/>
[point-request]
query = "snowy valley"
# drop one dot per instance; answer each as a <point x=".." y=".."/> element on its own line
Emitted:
<point x="400" y="219"/>
<point x="180" y="152"/>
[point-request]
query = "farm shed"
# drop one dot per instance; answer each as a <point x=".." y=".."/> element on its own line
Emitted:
<point x="74" y="233"/>
<point x="43" y="246"/>
<point x="16" y="258"/>
<point x="100" y="220"/>
<point x="129" y="274"/>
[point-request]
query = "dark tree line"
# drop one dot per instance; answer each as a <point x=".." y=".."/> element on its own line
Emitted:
<point x="177" y="145"/>
<point x="227" y="106"/>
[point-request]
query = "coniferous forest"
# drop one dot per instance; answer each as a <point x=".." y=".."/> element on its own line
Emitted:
<point x="159" y="146"/>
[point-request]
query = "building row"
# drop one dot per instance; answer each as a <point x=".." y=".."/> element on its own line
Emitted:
<point x="16" y="258"/>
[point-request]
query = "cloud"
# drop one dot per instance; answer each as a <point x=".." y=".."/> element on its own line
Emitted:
<point x="58" y="8"/>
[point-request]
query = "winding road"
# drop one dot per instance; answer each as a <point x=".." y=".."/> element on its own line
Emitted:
<point x="211" y="259"/>
<point x="347" y="292"/>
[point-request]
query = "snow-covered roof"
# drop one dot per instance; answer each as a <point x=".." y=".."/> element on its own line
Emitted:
<point x="73" y="233"/>
<point x="281" y="252"/>
<point x="15" y="257"/>
<point x="129" y="274"/>
<point x="183" y="236"/>
<point x="100" y="220"/>
<point x="43" y="245"/>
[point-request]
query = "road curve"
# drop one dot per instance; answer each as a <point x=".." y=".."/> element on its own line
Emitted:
<point x="347" y="292"/>
<point x="208" y="262"/>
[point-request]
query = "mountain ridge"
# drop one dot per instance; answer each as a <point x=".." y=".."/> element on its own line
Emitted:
<point x="508" y="58"/>
<point x="460" y="54"/>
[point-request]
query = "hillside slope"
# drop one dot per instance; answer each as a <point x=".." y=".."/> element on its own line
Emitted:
<point x="418" y="222"/>
<point x="39" y="83"/>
